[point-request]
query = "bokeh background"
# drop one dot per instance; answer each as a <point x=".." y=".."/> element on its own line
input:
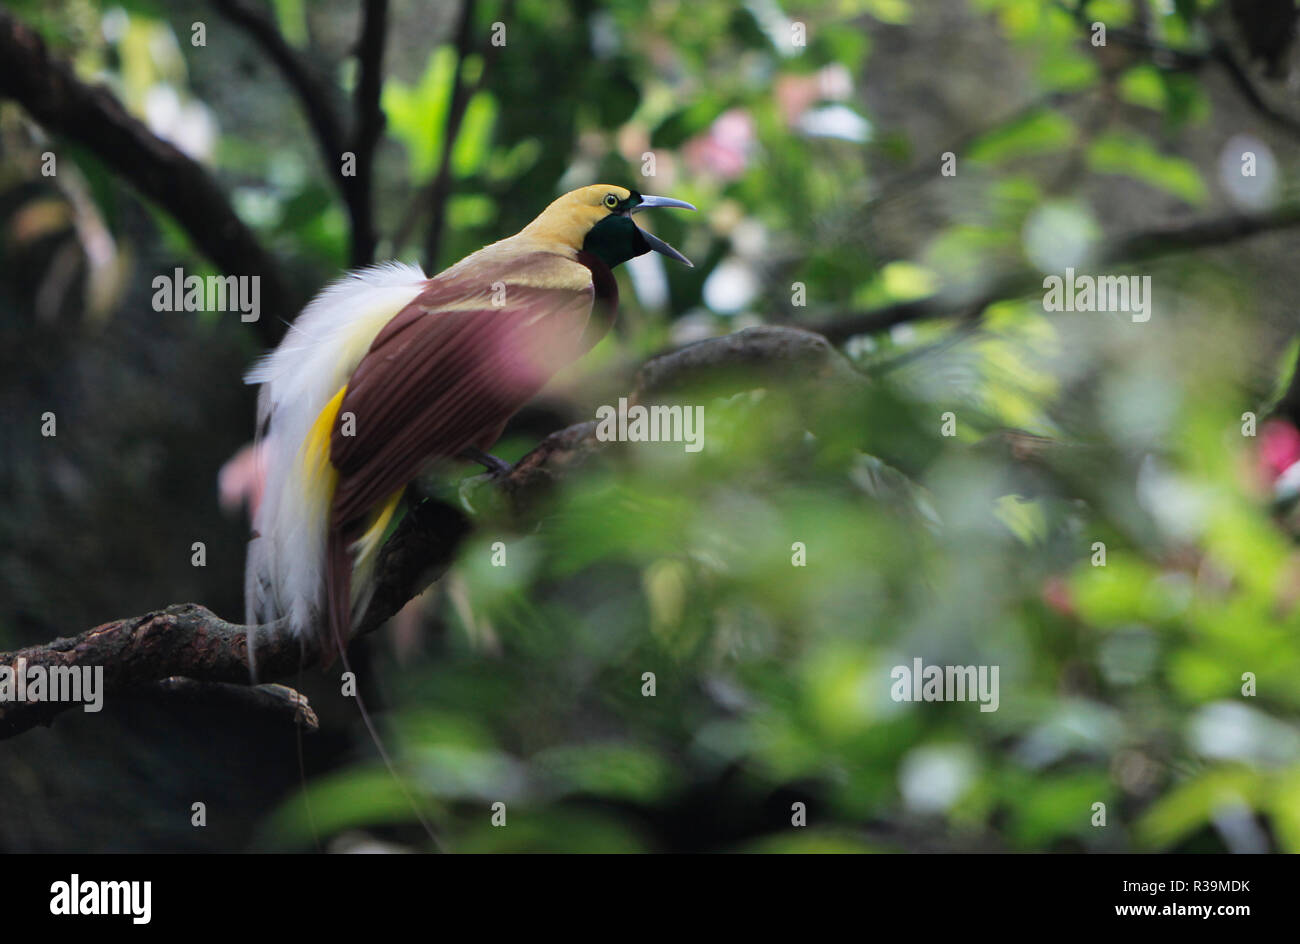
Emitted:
<point x="1162" y="684"/>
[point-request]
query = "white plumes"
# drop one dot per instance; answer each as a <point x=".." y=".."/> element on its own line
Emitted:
<point x="285" y="575"/>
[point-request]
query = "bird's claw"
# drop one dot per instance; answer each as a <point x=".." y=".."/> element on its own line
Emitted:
<point x="497" y="468"/>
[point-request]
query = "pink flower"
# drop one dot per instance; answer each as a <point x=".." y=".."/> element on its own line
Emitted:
<point x="1279" y="448"/>
<point x="241" y="480"/>
<point x="724" y="150"/>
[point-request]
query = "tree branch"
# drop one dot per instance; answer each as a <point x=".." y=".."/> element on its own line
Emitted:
<point x="92" y="117"/>
<point x="440" y="188"/>
<point x="190" y="641"/>
<point x="264" y="699"/>
<point x="312" y="93"/>
<point x="319" y="107"/>
<point x="1241" y="79"/>
<point x="369" y="125"/>
<point x="436" y="192"/>
<point x="1192" y="60"/>
<point x="966" y="303"/>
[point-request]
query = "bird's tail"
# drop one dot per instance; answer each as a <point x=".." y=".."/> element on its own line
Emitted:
<point x="349" y="577"/>
<point x="301" y="568"/>
<point x="334" y="631"/>
<point x="303" y="384"/>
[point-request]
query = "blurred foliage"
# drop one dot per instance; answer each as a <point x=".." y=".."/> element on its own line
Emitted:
<point x="819" y="165"/>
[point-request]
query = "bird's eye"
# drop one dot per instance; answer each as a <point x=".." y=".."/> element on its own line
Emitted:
<point x="611" y="200"/>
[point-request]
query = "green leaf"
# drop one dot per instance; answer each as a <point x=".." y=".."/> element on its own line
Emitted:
<point x="1041" y="132"/>
<point x="1179" y="97"/>
<point x="617" y="771"/>
<point x="350" y="798"/>
<point x="1068" y="70"/>
<point x="1142" y="85"/>
<point x="417" y="114"/>
<point x="687" y="122"/>
<point x="475" y="137"/>
<point x="1192" y="805"/>
<point x="1132" y="155"/>
<point x="1284" y="806"/>
<point x="1051" y="808"/>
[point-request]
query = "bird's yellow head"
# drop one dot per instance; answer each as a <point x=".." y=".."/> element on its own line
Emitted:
<point x="598" y="220"/>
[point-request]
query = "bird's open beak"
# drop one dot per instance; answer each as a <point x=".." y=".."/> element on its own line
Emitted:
<point x="653" y="241"/>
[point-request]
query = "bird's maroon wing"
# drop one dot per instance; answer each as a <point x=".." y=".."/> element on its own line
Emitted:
<point x="447" y="373"/>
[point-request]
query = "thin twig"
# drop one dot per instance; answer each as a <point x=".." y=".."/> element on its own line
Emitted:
<point x="440" y="189"/>
<point x="434" y="195"/>
<point x="313" y="94"/>
<point x="369" y="126"/>
<point x="317" y="100"/>
<point x="969" y="301"/>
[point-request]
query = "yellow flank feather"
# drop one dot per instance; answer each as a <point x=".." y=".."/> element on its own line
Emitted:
<point x="320" y="479"/>
<point x="318" y="476"/>
<point x="366" y="548"/>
